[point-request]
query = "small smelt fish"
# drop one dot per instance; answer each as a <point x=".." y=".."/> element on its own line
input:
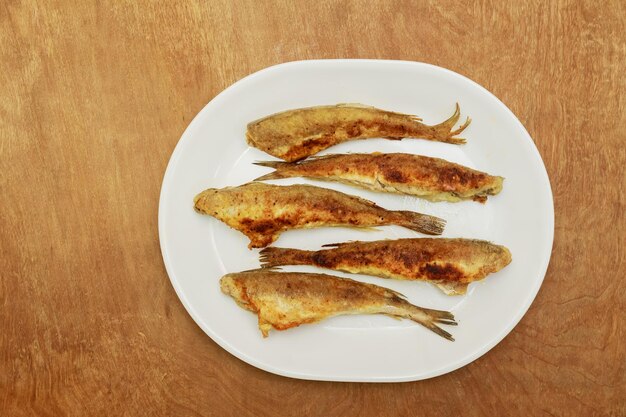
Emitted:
<point x="429" y="178"/>
<point x="296" y="134"/>
<point x="263" y="211"/>
<point x="450" y="264"/>
<point x="283" y="300"/>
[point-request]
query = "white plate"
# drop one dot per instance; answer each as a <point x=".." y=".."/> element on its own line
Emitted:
<point x="212" y="152"/>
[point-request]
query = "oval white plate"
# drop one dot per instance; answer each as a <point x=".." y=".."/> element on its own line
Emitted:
<point x="212" y="152"/>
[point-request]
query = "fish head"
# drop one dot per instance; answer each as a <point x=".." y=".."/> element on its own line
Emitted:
<point x="233" y="285"/>
<point x="228" y="286"/>
<point x="207" y="201"/>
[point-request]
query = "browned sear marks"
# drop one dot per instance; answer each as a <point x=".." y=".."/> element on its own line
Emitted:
<point x="433" y="179"/>
<point x="296" y="134"/>
<point x="263" y="211"/>
<point x="447" y="262"/>
<point x="437" y="272"/>
<point x="283" y="300"/>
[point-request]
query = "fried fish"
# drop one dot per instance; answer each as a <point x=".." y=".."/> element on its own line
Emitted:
<point x="283" y="300"/>
<point x="450" y="264"/>
<point x="433" y="179"/>
<point x="263" y="211"/>
<point x="295" y="134"/>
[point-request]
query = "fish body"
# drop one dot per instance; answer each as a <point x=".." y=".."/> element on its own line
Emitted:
<point x="283" y="300"/>
<point x="433" y="179"/>
<point x="451" y="264"/>
<point x="263" y="211"/>
<point x="296" y="134"/>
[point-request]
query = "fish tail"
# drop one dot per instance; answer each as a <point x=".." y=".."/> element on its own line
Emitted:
<point x="430" y="318"/>
<point x="443" y="131"/>
<point x="279" y="166"/>
<point x="272" y="257"/>
<point x="423" y="223"/>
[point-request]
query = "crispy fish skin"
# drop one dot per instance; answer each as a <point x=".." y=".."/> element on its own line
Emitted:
<point x="263" y="211"/>
<point x="283" y="300"/>
<point x="296" y="134"/>
<point x="451" y="264"/>
<point x="429" y="178"/>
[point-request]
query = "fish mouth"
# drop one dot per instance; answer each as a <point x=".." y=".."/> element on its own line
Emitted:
<point x="198" y="196"/>
<point x="198" y="199"/>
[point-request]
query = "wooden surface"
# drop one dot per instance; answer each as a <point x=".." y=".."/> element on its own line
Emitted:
<point x="93" y="98"/>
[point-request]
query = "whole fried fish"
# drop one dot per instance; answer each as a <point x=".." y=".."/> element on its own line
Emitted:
<point x="288" y="299"/>
<point x="263" y="211"/>
<point x="295" y="134"/>
<point x="433" y="179"/>
<point x="450" y="264"/>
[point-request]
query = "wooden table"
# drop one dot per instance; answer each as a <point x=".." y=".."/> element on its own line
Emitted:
<point x="93" y="98"/>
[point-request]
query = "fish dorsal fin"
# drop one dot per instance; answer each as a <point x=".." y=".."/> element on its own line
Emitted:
<point x="452" y="288"/>
<point x="319" y="157"/>
<point x="261" y="269"/>
<point x="365" y="106"/>
<point x="338" y="245"/>
<point x="358" y="105"/>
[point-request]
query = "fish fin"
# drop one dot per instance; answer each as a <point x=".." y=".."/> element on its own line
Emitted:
<point x="277" y="165"/>
<point x="369" y="229"/>
<point x="318" y="158"/>
<point x="365" y="106"/>
<point x="272" y="257"/>
<point x="452" y="288"/>
<point x="272" y="164"/>
<point x="411" y="117"/>
<point x="259" y="269"/>
<point x="444" y="132"/>
<point x="423" y="223"/>
<point x="359" y="105"/>
<point x="434" y="328"/>
<point x="440" y="316"/>
<point x="258" y="240"/>
<point x="264" y="326"/>
<point x="429" y="318"/>
<point x="397" y="295"/>
<point x="338" y="245"/>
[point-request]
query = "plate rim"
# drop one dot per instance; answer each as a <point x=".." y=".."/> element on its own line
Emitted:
<point x="167" y="178"/>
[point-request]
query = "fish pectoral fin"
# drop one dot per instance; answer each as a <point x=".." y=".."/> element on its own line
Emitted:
<point x="452" y="288"/>
<point x="369" y="229"/>
<point x="394" y="294"/>
<point x="244" y="305"/>
<point x="258" y="240"/>
<point x="264" y="326"/>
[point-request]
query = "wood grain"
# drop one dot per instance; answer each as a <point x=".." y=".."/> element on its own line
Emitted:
<point x="94" y="96"/>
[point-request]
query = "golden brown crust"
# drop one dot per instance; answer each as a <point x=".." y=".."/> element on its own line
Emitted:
<point x="431" y="178"/>
<point x="263" y="211"/>
<point x="455" y="262"/>
<point x="285" y="300"/>
<point x="295" y="134"/>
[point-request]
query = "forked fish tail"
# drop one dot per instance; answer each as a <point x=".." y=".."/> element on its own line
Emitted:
<point x="429" y="318"/>
<point x="271" y="257"/>
<point x="277" y="165"/>
<point x="423" y="223"/>
<point x="443" y="131"/>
